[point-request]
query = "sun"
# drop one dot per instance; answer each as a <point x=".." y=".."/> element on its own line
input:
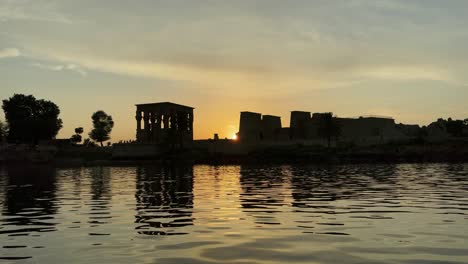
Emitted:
<point x="234" y="137"/>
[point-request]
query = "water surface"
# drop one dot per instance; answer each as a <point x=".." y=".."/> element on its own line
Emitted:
<point x="408" y="213"/>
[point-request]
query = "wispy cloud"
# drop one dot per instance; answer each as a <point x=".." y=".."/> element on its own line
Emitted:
<point x="9" y="52"/>
<point x="346" y="56"/>
<point x="229" y="80"/>
<point x="228" y="46"/>
<point x="61" y="67"/>
<point x="407" y="72"/>
<point x="30" y="10"/>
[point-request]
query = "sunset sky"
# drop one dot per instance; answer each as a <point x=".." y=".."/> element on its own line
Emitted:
<point x="405" y="59"/>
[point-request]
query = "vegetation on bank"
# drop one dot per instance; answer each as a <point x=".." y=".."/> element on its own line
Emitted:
<point x="103" y="125"/>
<point x="30" y="121"/>
<point x="3" y="131"/>
<point x="76" y="138"/>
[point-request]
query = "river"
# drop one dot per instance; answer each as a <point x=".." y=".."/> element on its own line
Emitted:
<point x="403" y="213"/>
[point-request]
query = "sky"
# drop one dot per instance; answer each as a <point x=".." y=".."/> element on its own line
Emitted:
<point x="405" y="59"/>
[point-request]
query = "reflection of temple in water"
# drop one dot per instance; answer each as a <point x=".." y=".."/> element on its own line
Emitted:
<point x="263" y="192"/>
<point x="100" y="195"/>
<point x="315" y="184"/>
<point x="164" y="197"/>
<point x="30" y="197"/>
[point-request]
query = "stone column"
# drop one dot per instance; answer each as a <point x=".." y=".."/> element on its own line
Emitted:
<point x="173" y="121"/>
<point x="158" y="121"/>
<point x="190" y="121"/>
<point x="157" y="127"/>
<point x="138" y="130"/>
<point x="166" y="120"/>
<point x="153" y="126"/>
<point x="146" y="125"/>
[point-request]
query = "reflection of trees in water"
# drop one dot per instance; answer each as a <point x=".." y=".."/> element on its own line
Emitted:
<point x="100" y="195"/>
<point x="75" y="175"/>
<point x="330" y="183"/>
<point x="30" y="197"/>
<point x="263" y="192"/>
<point x="3" y="183"/>
<point x="447" y="179"/>
<point x="164" y="198"/>
<point x="457" y="172"/>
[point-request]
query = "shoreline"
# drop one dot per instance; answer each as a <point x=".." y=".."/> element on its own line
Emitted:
<point x="248" y="160"/>
<point x="446" y="152"/>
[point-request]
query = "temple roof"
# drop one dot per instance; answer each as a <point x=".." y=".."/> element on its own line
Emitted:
<point x="163" y="105"/>
<point x="250" y="113"/>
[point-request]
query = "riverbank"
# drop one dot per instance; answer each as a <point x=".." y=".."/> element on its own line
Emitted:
<point x="456" y="151"/>
<point x="453" y="151"/>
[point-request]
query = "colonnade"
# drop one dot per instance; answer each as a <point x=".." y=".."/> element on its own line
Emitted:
<point x="157" y="123"/>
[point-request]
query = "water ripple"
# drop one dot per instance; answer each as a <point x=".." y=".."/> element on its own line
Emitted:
<point x="179" y="213"/>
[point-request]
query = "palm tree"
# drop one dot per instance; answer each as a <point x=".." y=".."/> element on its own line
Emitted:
<point x="329" y="127"/>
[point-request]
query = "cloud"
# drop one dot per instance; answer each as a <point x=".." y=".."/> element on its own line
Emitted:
<point x="31" y="10"/>
<point x="229" y="45"/>
<point x="61" y="67"/>
<point x="346" y="56"/>
<point x="230" y="80"/>
<point x="407" y="72"/>
<point x="9" y="52"/>
<point x="267" y="78"/>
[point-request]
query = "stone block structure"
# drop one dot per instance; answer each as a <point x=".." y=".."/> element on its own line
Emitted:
<point x="254" y="127"/>
<point x="299" y="124"/>
<point x="317" y="128"/>
<point x="369" y="130"/>
<point x="271" y="127"/>
<point x="164" y="122"/>
<point x="250" y="127"/>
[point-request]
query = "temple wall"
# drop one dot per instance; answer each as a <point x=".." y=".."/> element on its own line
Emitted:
<point x="250" y="127"/>
<point x="299" y="124"/>
<point x="271" y="127"/>
<point x="164" y="123"/>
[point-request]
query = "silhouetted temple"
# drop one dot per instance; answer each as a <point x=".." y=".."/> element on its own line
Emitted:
<point x="255" y="127"/>
<point x="309" y="128"/>
<point x="163" y="122"/>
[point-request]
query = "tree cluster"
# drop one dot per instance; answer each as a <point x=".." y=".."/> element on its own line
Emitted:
<point x="457" y="128"/>
<point x="31" y="120"/>
<point x="3" y="132"/>
<point x="76" y="138"/>
<point x="102" y="126"/>
<point x="329" y="127"/>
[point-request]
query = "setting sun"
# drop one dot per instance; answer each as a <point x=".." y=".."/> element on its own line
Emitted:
<point x="234" y="137"/>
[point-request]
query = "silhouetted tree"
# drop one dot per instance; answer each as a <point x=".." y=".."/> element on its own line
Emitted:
<point x="31" y="120"/>
<point x="329" y="127"/>
<point x="422" y="135"/>
<point x="3" y="131"/>
<point x="88" y="143"/>
<point x="103" y="125"/>
<point x="455" y="127"/>
<point x="76" y="138"/>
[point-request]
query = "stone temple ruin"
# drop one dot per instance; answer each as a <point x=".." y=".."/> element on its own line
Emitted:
<point x="166" y="126"/>
<point x="304" y="127"/>
<point x="163" y="122"/>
